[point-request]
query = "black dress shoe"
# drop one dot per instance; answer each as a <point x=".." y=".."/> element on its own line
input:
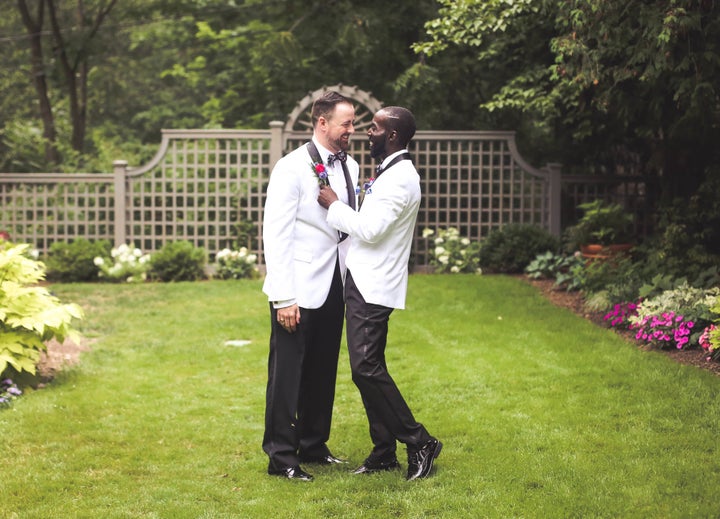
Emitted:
<point x="328" y="459"/>
<point x="370" y="466"/>
<point x="420" y="462"/>
<point x="291" y="473"/>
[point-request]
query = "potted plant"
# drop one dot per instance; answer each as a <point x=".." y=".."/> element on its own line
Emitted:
<point x="603" y="229"/>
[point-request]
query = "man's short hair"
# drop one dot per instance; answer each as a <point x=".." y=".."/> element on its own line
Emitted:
<point x="324" y="105"/>
<point x="402" y="121"/>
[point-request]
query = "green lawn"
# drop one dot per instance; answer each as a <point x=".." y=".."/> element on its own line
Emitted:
<point x="541" y="413"/>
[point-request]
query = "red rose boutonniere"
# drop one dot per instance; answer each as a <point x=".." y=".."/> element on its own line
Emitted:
<point x="322" y="175"/>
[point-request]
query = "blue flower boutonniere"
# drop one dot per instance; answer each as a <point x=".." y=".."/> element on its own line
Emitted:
<point x="366" y="190"/>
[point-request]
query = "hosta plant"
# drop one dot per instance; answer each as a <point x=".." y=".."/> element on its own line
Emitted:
<point x="29" y="314"/>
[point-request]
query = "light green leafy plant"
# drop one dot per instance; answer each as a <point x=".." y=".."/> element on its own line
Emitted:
<point x="29" y="314"/>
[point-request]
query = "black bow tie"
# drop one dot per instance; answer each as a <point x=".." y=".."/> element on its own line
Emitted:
<point x="340" y="155"/>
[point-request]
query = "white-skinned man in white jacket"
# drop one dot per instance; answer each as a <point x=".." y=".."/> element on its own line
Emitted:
<point x="305" y="259"/>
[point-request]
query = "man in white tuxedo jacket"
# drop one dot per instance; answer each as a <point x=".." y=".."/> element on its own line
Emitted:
<point x="305" y="259"/>
<point x="376" y="283"/>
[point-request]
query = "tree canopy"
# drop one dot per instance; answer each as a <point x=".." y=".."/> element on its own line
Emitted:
<point x="616" y="86"/>
<point x="605" y="86"/>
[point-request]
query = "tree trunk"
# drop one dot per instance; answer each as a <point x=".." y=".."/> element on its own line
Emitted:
<point x="76" y="71"/>
<point x="34" y="28"/>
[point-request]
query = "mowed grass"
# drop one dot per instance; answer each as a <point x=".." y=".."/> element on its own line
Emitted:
<point x="542" y="414"/>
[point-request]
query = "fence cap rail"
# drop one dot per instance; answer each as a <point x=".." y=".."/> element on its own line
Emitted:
<point x="62" y="178"/>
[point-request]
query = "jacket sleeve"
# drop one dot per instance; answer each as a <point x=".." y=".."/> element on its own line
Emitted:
<point x="378" y="215"/>
<point x="281" y="203"/>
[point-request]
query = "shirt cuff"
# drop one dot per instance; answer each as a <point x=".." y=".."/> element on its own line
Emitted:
<point x="283" y="304"/>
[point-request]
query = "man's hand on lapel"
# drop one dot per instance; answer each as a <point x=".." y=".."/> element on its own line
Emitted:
<point x="327" y="196"/>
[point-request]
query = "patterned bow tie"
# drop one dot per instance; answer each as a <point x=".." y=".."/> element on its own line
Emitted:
<point x="340" y="155"/>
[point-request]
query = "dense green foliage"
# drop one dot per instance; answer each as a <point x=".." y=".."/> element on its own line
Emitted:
<point x="511" y="248"/>
<point x="178" y="261"/>
<point x="154" y="64"/>
<point x="581" y="81"/>
<point x="29" y="314"/>
<point x="74" y="260"/>
<point x="612" y="86"/>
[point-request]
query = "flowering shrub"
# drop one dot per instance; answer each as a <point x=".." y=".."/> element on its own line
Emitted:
<point x="235" y="264"/>
<point x="8" y="392"/>
<point x="710" y="343"/>
<point x="686" y="304"/>
<point x="619" y="316"/>
<point x="452" y="253"/>
<point x="124" y="265"/>
<point x="662" y="330"/>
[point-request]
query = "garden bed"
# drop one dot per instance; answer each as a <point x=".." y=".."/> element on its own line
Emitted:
<point x="574" y="302"/>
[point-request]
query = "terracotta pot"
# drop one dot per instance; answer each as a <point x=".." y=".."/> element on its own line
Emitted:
<point x="595" y="251"/>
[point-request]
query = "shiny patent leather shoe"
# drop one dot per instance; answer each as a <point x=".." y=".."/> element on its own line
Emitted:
<point x="295" y="473"/>
<point x="370" y="466"/>
<point x="420" y="462"/>
<point x="328" y="459"/>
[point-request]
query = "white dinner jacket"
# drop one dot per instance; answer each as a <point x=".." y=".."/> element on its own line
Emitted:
<point x="300" y="246"/>
<point x="381" y="234"/>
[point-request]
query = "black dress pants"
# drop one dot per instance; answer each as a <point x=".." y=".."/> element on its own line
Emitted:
<point x="388" y="414"/>
<point x="302" y="370"/>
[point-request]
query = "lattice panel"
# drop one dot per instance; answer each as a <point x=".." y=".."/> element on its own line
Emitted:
<point x="42" y="213"/>
<point x="208" y="187"/>
<point x="474" y="185"/>
<point x="209" y="191"/>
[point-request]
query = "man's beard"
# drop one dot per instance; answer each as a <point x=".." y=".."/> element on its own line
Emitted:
<point x="378" y="148"/>
<point x="341" y="144"/>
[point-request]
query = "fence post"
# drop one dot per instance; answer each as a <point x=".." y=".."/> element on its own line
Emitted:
<point x="119" y="170"/>
<point x="555" y="175"/>
<point x="276" y="141"/>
